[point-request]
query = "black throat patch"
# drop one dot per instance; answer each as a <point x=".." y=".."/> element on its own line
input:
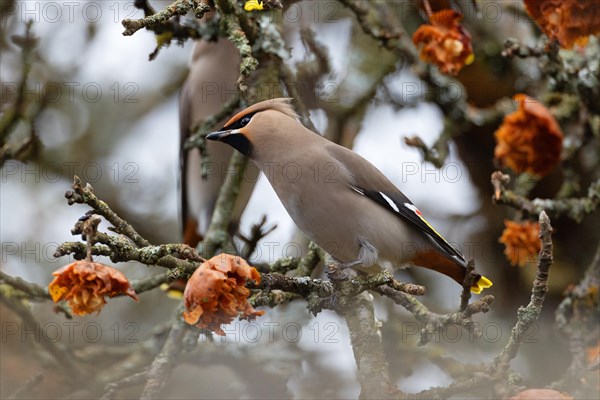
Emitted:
<point x="239" y="142"/>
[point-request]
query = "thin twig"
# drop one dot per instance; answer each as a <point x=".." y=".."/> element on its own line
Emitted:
<point x="528" y="315"/>
<point x="112" y="388"/>
<point x="85" y="195"/>
<point x="574" y="208"/>
<point x="467" y="284"/>
<point x="256" y="235"/>
<point x="433" y="322"/>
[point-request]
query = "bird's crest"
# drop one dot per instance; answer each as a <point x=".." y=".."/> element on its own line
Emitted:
<point x="282" y="104"/>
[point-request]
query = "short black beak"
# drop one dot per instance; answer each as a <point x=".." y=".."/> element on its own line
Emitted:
<point x="234" y="138"/>
<point x="218" y="135"/>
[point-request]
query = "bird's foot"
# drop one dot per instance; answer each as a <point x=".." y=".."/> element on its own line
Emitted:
<point x="340" y="271"/>
<point x="336" y="272"/>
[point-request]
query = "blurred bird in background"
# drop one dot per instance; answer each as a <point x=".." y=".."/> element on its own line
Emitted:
<point x="214" y="69"/>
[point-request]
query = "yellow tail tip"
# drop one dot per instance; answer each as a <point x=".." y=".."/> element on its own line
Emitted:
<point x="482" y="283"/>
<point x="254" y="5"/>
<point x="171" y="292"/>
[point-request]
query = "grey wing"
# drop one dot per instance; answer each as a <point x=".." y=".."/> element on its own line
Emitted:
<point x="368" y="181"/>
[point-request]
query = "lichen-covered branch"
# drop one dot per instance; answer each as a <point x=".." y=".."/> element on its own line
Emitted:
<point x="230" y="24"/>
<point x="574" y="208"/>
<point x="367" y="345"/>
<point x="31" y="290"/>
<point x="348" y="297"/>
<point x="272" y="298"/>
<point x="177" y="8"/>
<point x="433" y="322"/>
<point x="529" y="314"/>
<point x="467" y="284"/>
<point x="151" y="282"/>
<point x="120" y="249"/>
<point x="309" y="262"/>
<point x="480" y="380"/>
<point x="85" y="195"/>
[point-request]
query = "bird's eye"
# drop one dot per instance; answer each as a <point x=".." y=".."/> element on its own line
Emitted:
<point x="244" y="121"/>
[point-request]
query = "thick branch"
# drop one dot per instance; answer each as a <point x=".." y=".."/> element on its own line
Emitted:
<point x="367" y="346"/>
<point x="32" y="290"/>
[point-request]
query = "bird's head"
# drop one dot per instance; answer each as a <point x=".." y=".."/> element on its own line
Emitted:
<point x="256" y="124"/>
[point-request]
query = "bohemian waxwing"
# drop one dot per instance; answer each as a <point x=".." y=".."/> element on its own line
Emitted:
<point x="214" y="70"/>
<point x="339" y="199"/>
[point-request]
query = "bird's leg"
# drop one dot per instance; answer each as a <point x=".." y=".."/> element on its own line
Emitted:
<point x="367" y="256"/>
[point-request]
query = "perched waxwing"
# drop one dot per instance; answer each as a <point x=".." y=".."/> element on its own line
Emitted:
<point x="340" y="200"/>
<point x="214" y="70"/>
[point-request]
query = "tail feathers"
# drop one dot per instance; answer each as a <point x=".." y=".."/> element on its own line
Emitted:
<point x="452" y="268"/>
<point x="174" y="289"/>
<point x="190" y="237"/>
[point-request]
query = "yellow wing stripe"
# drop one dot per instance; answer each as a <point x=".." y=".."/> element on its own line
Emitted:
<point x="418" y="213"/>
<point x="432" y="228"/>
